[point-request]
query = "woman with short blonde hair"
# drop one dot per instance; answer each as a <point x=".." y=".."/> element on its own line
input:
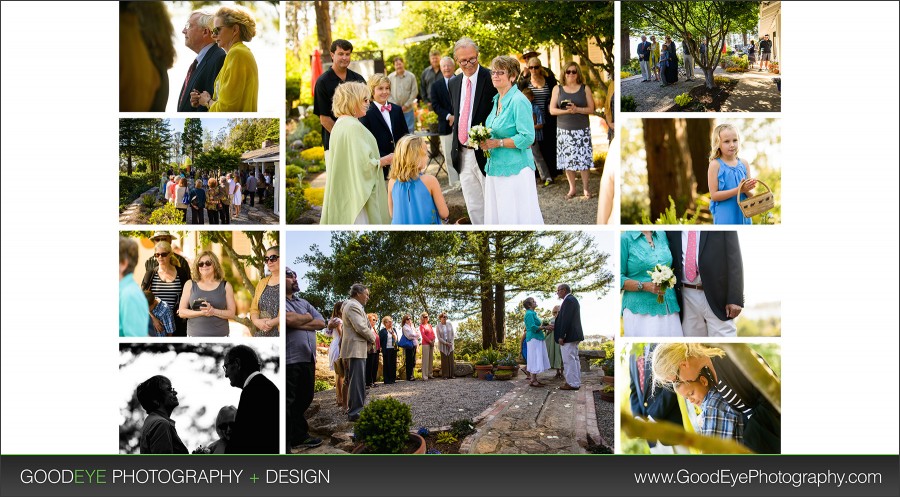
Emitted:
<point x="237" y="85"/>
<point x="355" y="192"/>
<point x="207" y="301"/>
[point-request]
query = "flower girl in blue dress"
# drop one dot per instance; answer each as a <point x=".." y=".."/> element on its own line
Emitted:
<point x="726" y="171"/>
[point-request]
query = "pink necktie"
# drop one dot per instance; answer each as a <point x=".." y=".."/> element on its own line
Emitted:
<point x="463" y="133"/>
<point x="386" y="107"/>
<point x="641" y="361"/>
<point x="690" y="259"/>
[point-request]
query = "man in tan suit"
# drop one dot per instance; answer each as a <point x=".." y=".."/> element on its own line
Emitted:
<point x="354" y="347"/>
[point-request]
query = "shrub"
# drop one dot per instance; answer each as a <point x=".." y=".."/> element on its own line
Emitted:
<point x="683" y="99"/>
<point x="735" y="69"/>
<point x="445" y="437"/>
<point x="312" y="122"/>
<point x="462" y="427"/>
<point x="507" y="361"/>
<point x="599" y="159"/>
<point x="296" y="204"/>
<point x="166" y="214"/>
<point x="383" y="426"/>
<point x="148" y="202"/>
<point x="323" y="339"/>
<point x="315" y="196"/>
<point x="130" y="187"/>
<point x="312" y="139"/>
<point x="625" y="74"/>
<point x="292" y="171"/>
<point x="628" y="104"/>
<point x="609" y="366"/>
<point x="609" y="389"/>
<point x="314" y="154"/>
<point x="671" y="217"/>
<point x="503" y="375"/>
<point x="633" y="66"/>
<point x="721" y="80"/>
<point x="321" y="385"/>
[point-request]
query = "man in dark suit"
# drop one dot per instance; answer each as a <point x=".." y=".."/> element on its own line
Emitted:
<point x="652" y="403"/>
<point x="442" y="105"/>
<point x="201" y="76"/>
<point x="257" y="420"/>
<point x="568" y="332"/>
<point x="384" y="120"/>
<point x="471" y="94"/>
<point x="710" y="274"/>
<point x="643" y="52"/>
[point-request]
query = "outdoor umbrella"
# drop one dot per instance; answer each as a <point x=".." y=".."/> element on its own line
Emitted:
<point x="316" y="70"/>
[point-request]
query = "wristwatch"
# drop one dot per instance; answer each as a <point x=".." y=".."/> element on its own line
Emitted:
<point x="640" y="286"/>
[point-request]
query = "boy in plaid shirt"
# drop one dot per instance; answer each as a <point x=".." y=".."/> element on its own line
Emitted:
<point x="163" y="312"/>
<point x="718" y="418"/>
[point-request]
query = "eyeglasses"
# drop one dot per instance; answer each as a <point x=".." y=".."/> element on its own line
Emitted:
<point x="498" y="73"/>
<point x="271" y="258"/>
<point x="162" y="254"/>
<point x="216" y="30"/>
<point x="290" y="275"/>
<point x="571" y="72"/>
<point x="204" y="264"/>
<point x="187" y="26"/>
<point x="468" y="62"/>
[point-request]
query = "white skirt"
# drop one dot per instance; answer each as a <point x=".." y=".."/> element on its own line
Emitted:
<point x="512" y="199"/>
<point x="645" y="325"/>
<point x="537" y="360"/>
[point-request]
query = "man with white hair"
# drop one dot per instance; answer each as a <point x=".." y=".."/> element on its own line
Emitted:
<point x="201" y="75"/>
<point x="442" y="105"/>
<point x="472" y="96"/>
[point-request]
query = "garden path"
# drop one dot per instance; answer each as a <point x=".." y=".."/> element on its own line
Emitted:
<point x="249" y="215"/>
<point x="542" y="420"/>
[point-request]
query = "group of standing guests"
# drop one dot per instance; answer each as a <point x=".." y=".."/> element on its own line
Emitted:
<point x="222" y="78"/>
<point x="660" y="63"/>
<point x="193" y="300"/>
<point x="219" y="198"/>
<point x="367" y="138"/>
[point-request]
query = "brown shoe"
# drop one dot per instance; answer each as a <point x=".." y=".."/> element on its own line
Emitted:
<point x="568" y="387"/>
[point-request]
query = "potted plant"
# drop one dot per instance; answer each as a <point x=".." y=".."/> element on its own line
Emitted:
<point x="773" y="67"/>
<point x="507" y="363"/>
<point x="430" y="121"/>
<point x="483" y="366"/>
<point x="609" y="368"/>
<point x="383" y="428"/>
<point x="606" y="393"/>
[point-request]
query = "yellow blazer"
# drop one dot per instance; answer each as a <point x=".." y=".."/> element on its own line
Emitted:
<point x="237" y="85"/>
<point x="260" y="288"/>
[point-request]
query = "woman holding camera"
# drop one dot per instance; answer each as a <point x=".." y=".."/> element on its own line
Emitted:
<point x="166" y="280"/>
<point x="572" y="103"/>
<point x="207" y="301"/>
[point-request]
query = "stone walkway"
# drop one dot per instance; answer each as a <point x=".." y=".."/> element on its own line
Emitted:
<point x="755" y="92"/>
<point x="249" y="215"/>
<point x="543" y="420"/>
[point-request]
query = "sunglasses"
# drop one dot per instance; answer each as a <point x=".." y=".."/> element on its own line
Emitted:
<point x="291" y="275"/>
<point x="216" y="30"/>
<point x="204" y="264"/>
<point x="162" y="254"/>
<point x="571" y="72"/>
<point x="271" y="258"/>
<point x="534" y="67"/>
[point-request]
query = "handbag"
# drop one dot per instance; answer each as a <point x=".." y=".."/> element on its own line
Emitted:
<point x="406" y="343"/>
<point x="758" y="203"/>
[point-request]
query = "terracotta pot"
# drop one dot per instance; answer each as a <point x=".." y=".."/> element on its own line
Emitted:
<point x="463" y="220"/>
<point x="482" y="371"/>
<point x="609" y="380"/>
<point x="361" y="448"/>
<point x="609" y="397"/>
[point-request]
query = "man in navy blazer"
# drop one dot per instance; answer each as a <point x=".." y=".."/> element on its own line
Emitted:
<point x="715" y="295"/>
<point x="649" y="402"/>
<point x="643" y="52"/>
<point x="467" y="161"/>
<point x="208" y="63"/>
<point x="568" y="332"/>
<point x="442" y="105"/>
<point x="384" y="120"/>
<point x="257" y="420"/>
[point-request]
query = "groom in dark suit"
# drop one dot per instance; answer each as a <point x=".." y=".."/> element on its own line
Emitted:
<point x="710" y="287"/>
<point x="568" y="332"/>
<point x="471" y="94"/>
<point x="201" y="76"/>
<point x="256" y="423"/>
<point x="384" y="120"/>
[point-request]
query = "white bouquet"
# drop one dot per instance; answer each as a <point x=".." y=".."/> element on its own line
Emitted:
<point x="662" y="276"/>
<point x="478" y="135"/>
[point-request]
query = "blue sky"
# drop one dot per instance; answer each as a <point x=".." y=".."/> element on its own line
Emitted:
<point x="211" y="124"/>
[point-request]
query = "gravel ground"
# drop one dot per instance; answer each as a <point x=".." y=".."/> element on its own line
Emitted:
<point x="554" y="206"/>
<point x="605" y="419"/>
<point x="432" y="403"/>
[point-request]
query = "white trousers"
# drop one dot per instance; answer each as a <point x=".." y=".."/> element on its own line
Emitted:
<point x="689" y="66"/>
<point x="699" y="319"/>
<point x="446" y="144"/>
<point x="571" y="368"/>
<point x="472" y="182"/>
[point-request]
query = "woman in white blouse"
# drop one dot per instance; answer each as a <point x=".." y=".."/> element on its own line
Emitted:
<point x="445" y="336"/>
<point x="412" y="334"/>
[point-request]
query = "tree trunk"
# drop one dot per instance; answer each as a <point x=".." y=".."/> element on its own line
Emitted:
<point x="486" y="294"/>
<point x="500" y="312"/>
<point x="708" y="77"/>
<point x="668" y="165"/>
<point x="699" y="133"/>
<point x="625" y="51"/>
<point x="323" y="25"/>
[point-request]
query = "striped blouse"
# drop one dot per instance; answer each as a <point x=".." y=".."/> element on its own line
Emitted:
<point x="170" y="293"/>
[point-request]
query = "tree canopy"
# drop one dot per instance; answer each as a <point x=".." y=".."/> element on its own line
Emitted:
<point x="466" y="273"/>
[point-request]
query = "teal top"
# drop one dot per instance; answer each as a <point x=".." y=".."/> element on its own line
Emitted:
<point x="514" y="121"/>
<point x="134" y="312"/>
<point x="636" y="259"/>
<point x="532" y="323"/>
